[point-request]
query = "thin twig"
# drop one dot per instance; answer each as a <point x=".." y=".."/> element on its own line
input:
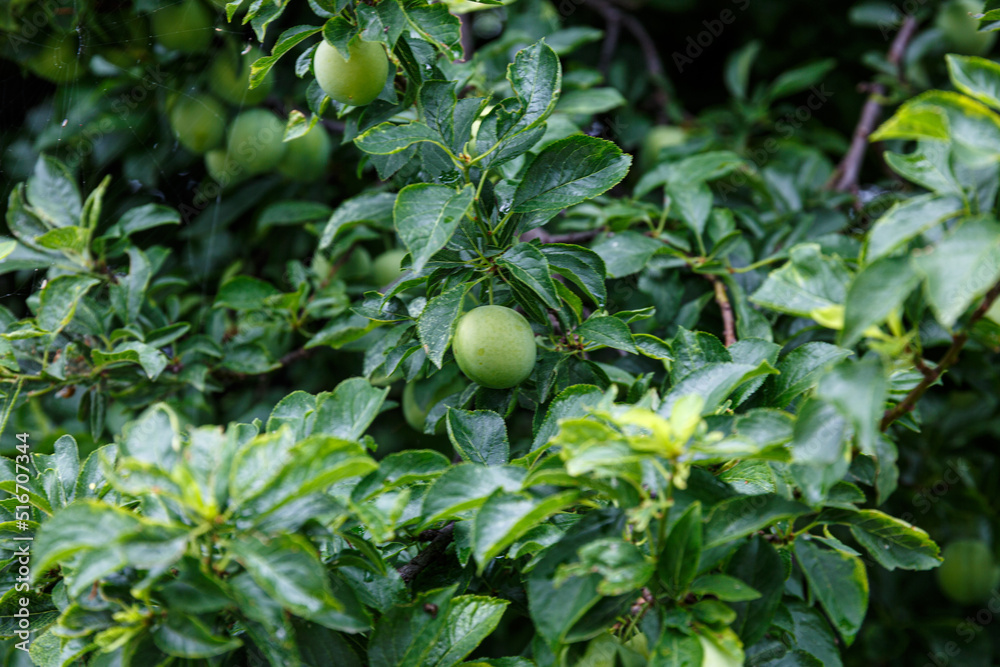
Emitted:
<point x="613" y="15"/>
<point x="569" y="237"/>
<point x="610" y="44"/>
<point x="845" y="177"/>
<point x="468" y="39"/>
<point x="958" y="341"/>
<point x="295" y="355"/>
<point x="722" y="298"/>
<point x="416" y="565"/>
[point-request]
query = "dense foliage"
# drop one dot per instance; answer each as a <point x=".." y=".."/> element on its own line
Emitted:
<point x="351" y="333"/>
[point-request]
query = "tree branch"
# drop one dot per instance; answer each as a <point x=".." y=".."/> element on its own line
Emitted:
<point x="845" y="177"/>
<point x="722" y="298"/>
<point x="931" y="375"/>
<point x="410" y="571"/>
<point x="614" y="16"/>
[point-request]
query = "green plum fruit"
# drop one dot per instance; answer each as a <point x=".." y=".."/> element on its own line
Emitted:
<point x="494" y="346"/>
<point x="185" y="26"/>
<point x="198" y="122"/>
<point x="422" y="395"/>
<point x="307" y="157"/>
<point x="256" y="140"/>
<point x="357" y="268"/>
<point x="356" y="80"/>
<point x="969" y="571"/>
<point x="387" y="267"/>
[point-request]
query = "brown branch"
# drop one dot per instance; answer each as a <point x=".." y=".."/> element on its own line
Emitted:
<point x="845" y="177"/>
<point x="410" y="571"/>
<point x="722" y="298"/>
<point x="958" y="341"/>
<point x="468" y="39"/>
<point x="613" y="15"/>
<point x="295" y="355"/>
<point x="569" y="237"/>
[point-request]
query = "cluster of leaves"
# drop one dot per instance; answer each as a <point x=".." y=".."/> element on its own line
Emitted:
<point x="650" y="495"/>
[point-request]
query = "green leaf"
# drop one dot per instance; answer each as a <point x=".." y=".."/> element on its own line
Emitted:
<point x="590" y="101"/>
<point x="978" y="78"/>
<point x="622" y="566"/>
<point x="890" y="541"/>
<point x="479" y="436"/>
<point x="410" y="634"/>
<point x="72" y="238"/>
<point x="153" y="361"/>
<point x="714" y="382"/>
<point x="690" y="172"/>
<point x="818" y="449"/>
<point x="581" y="266"/>
<point x="504" y="517"/>
<point x="874" y="294"/>
<point x="59" y="299"/>
<point x="426" y="216"/>
<point x="813" y="633"/>
<point x="839" y="582"/>
<point x="470" y="619"/>
<point x="526" y="263"/>
<point x="574" y="401"/>
<point x="676" y="649"/>
<point x="435" y="24"/>
<point x="437" y="322"/>
<point x="908" y="219"/>
<point x="758" y="564"/>
<point x="349" y="409"/>
<point x="286" y="42"/>
<point x="372" y="208"/>
<point x="859" y="390"/>
<point x="800" y="78"/>
<point x="245" y="293"/>
<point x="724" y="587"/>
<point x="913" y="122"/>
<point x="185" y="636"/>
<point x="626" y="253"/>
<point x="389" y="138"/>
<point x="740" y="516"/>
<point x="801" y="369"/>
<point x="570" y="171"/>
<point x="143" y="218"/>
<point x="467" y="486"/>
<point x="961" y="268"/>
<point x="809" y="282"/>
<point x="53" y="194"/>
<point x="929" y="166"/>
<point x="289" y="569"/>
<point x="678" y="560"/>
<point x="608" y="331"/>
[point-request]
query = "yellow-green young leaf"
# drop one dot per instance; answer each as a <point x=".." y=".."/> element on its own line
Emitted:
<point x="6" y="248"/>
<point x="976" y="77"/>
<point x="71" y="238"/>
<point x="59" y="299"/>
<point x="913" y="122"/>
<point x="890" y="541"/>
<point x="908" y="219"/>
<point x="505" y="517"/>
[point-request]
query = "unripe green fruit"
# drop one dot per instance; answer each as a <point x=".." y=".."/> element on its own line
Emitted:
<point x="357" y="80"/>
<point x="658" y="138"/>
<point x="961" y="30"/>
<point x="421" y="396"/>
<point x="229" y="77"/>
<point x="57" y="61"/>
<point x="255" y="140"/>
<point x="494" y="346"/>
<point x="307" y="157"/>
<point x="185" y="26"/>
<point x="387" y="268"/>
<point x="223" y="170"/>
<point x="358" y="266"/>
<point x="969" y="571"/>
<point x="198" y="122"/>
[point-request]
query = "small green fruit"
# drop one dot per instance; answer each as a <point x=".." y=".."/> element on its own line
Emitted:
<point x="223" y="170"/>
<point x="184" y="26"/>
<point x="357" y="80"/>
<point x="657" y="139"/>
<point x="307" y="157"/>
<point x="421" y="396"/>
<point x="229" y="77"/>
<point x="494" y="346"/>
<point x="969" y="571"/>
<point x="387" y="267"/>
<point x="255" y="141"/>
<point x="198" y="122"/>
<point x="57" y="61"/>
<point x="358" y="266"/>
